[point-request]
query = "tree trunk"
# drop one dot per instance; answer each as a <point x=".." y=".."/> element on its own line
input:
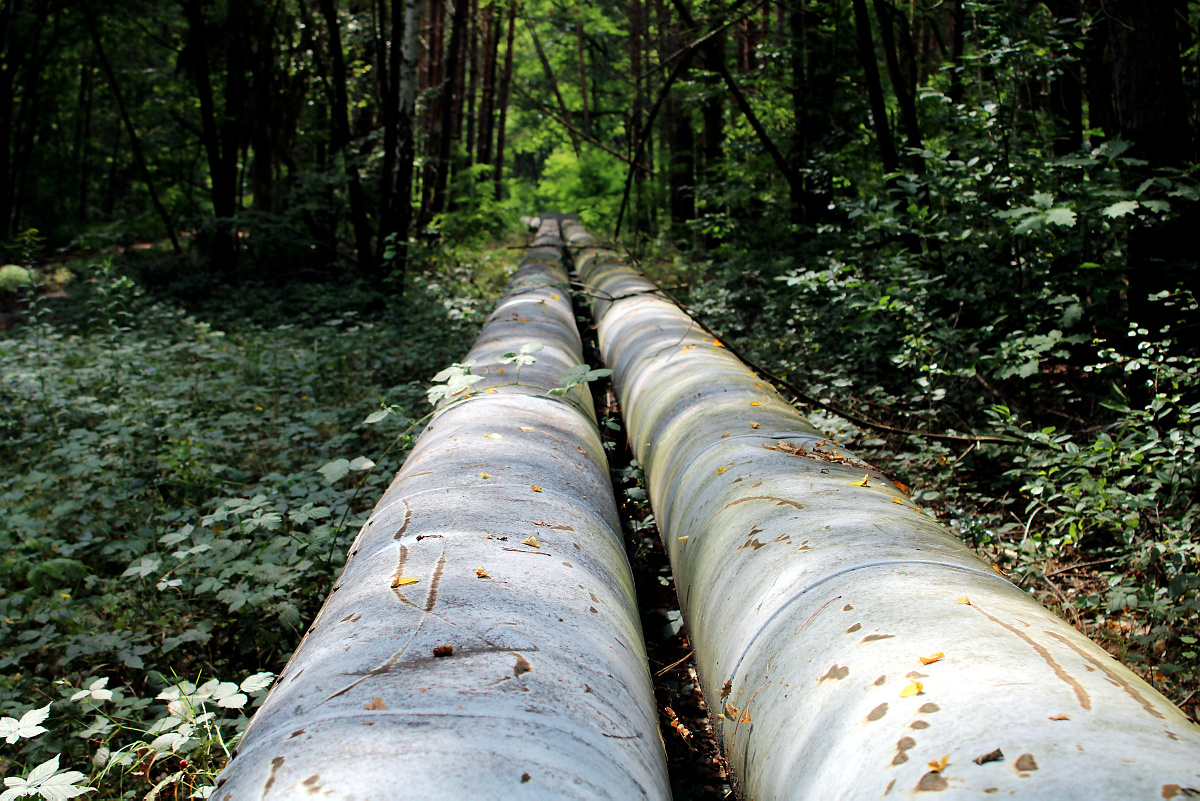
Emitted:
<point x="339" y="144"/>
<point x="449" y="104"/>
<point x="487" y="100"/>
<point x="505" y="85"/>
<point x="879" y="119"/>
<point x="396" y="215"/>
<point x="550" y="79"/>
<point x="135" y="144"/>
<point x="903" y="86"/>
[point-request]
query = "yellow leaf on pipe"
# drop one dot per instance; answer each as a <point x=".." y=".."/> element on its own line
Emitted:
<point x="964" y="600"/>
<point x="531" y="541"/>
<point x="485" y="475"/>
<point x="755" y="403"/>
<point x="721" y="470"/>
<point x="861" y="482"/>
<point x="404" y="581"/>
<point x="929" y="660"/>
<point x="535" y="488"/>
<point x="914" y="688"/>
<point x="939" y="765"/>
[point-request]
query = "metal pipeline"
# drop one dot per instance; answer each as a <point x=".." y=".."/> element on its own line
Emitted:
<point x="483" y="640"/>
<point x="848" y="645"/>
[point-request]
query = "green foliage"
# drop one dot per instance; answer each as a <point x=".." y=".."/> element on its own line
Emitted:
<point x="171" y="479"/>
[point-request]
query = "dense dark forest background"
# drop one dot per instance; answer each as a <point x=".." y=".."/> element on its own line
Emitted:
<point x="961" y="233"/>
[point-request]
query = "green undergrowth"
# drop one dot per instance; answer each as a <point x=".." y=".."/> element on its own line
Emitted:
<point x="166" y="529"/>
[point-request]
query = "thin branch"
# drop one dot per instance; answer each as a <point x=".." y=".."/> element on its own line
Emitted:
<point x="591" y="140"/>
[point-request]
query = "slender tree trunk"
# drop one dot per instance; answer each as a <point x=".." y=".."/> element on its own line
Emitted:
<point x="135" y="144"/>
<point x="396" y="215"/>
<point x="434" y="90"/>
<point x="957" y="43"/>
<point x="640" y="222"/>
<point x="450" y="104"/>
<point x="583" y="74"/>
<point x="879" y="120"/>
<point x="550" y="79"/>
<point x="903" y="86"/>
<point x="487" y="100"/>
<point x="505" y="85"/>
<point x="339" y="145"/>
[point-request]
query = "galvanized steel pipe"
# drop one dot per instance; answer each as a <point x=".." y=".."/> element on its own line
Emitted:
<point x="483" y="639"/>
<point x="849" y="646"/>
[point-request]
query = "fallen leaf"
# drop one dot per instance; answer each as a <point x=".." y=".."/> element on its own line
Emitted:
<point x="914" y="688"/>
<point x="488" y="537"/>
<point x="481" y="572"/>
<point x="443" y="650"/>
<point x="531" y="541"/>
<point x="991" y="756"/>
<point x="754" y="425"/>
<point x="929" y="660"/>
<point x="727" y="688"/>
<point x="485" y="475"/>
<point x="500" y="370"/>
<point x="731" y="710"/>
<point x="526" y="428"/>
<point x="755" y="403"/>
<point x="535" y="488"/>
<point x="717" y="342"/>
<point x="404" y="581"/>
<point x="1059" y="717"/>
<point x="726" y="434"/>
<point x="897" y="500"/>
<point x="492" y="391"/>
<point x="375" y="703"/>
<point x="938" y="765"/>
<point x="556" y="297"/>
<point x="683" y="539"/>
<point x="721" y="470"/>
<point x="964" y="600"/>
<point x="900" y="485"/>
<point x="998" y="570"/>
<point x="493" y="436"/>
<point x="861" y="482"/>
<point x="745" y="717"/>
<point x="687" y="347"/>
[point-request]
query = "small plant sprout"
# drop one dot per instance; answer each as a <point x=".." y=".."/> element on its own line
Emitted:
<point x="454" y="379"/>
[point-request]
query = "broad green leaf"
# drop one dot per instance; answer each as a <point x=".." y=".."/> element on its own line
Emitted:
<point x="1061" y="215"/>
<point x="1120" y="209"/>
<point x="361" y="463"/>
<point x="335" y="470"/>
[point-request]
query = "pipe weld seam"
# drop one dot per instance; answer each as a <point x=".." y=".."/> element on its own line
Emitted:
<point x="670" y="501"/>
<point x="824" y="579"/>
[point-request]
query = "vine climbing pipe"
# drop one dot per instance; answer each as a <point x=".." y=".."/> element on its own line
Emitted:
<point x="848" y="645"/>
<point x="483" y="639"/>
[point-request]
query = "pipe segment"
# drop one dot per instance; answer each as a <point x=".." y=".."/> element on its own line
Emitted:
<point x="454" y="657"/>
<point x="848" y="645"/>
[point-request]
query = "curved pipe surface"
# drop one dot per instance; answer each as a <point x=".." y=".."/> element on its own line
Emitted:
<point x="455" y="658"/>
<point x="848" y="645"/>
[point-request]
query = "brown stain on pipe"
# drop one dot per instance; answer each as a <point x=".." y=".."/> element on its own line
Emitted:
<point x="778" y="501"/>
<point x="1081" y="694"/>
<point x="1112" y="676"/>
